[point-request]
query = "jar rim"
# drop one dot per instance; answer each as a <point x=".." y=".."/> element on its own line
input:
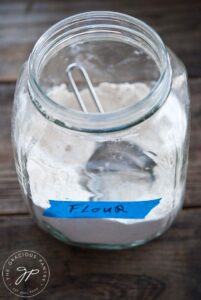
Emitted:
<point x="110" y="121"/>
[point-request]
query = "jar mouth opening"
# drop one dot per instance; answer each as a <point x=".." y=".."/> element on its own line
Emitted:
<point x="109" y="121"/>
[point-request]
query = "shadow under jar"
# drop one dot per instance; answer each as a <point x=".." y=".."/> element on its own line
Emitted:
<point x="107" y="180"/>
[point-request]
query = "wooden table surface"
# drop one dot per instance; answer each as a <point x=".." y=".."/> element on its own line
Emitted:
<point x="169" y="268"/>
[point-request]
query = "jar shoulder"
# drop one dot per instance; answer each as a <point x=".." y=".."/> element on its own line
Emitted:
<point x="178" y="67"/>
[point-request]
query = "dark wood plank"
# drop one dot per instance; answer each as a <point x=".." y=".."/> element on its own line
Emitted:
<point x="10" y="195"/>
<point x="167" y="268"/>
<point x="22" y="22"/>
<point x="194" y="170"/>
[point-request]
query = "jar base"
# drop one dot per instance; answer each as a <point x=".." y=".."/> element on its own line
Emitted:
<point x="59" y="236"/>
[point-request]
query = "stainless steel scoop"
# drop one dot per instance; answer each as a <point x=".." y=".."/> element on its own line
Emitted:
<point x="84" y="73"/>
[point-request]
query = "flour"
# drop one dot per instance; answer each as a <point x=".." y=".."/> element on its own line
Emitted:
<point x="60" y="167"/>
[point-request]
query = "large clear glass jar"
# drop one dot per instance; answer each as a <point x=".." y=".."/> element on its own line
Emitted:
<point x="125" y="168"/>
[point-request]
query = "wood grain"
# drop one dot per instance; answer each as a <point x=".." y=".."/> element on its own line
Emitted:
<point x="168" y="268"/>
<point x="10" y="195"/>
<point x="22" y="22"/>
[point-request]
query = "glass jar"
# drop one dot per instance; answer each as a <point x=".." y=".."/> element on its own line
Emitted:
<point x="111" y="179"/>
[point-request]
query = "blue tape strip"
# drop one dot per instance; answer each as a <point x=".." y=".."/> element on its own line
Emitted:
<point x="100" y="209"/>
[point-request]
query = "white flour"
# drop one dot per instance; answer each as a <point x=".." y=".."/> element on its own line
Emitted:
<point x="56" y="166"/>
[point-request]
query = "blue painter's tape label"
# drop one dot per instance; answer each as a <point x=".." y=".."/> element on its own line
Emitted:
<point x="100" y="209"/>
